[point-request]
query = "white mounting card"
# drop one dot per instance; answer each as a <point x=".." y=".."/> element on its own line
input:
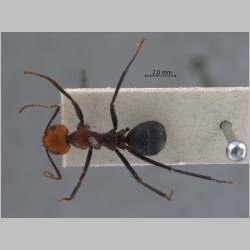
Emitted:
<point x="191" y="117"/>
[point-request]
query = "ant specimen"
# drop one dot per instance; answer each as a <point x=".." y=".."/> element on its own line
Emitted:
<point x="145" y="139"/>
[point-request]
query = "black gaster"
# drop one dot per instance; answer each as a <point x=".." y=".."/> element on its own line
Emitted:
<point x="147" y="138"/>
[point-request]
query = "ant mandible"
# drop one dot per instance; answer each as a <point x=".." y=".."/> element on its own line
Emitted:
<point x="147" y="138"/>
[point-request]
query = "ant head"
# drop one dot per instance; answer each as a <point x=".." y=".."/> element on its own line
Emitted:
<point x="55" y="139"/>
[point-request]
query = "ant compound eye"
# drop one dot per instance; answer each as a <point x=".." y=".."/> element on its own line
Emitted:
<point x="56" y="153"/>
<point x="53" y="127"/>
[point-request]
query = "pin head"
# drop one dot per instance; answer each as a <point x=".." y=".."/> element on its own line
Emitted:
<point x="236" y="150"/>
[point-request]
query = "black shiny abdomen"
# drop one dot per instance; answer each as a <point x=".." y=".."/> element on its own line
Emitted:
<point x="147" y="138"/>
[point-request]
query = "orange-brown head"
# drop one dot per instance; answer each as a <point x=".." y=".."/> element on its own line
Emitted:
<point x="55" y="139"/>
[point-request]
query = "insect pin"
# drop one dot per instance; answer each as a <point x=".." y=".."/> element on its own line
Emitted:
<point x="146" y="139"/>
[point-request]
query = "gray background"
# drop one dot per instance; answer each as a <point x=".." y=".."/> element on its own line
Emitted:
<point x="109" y="191"/>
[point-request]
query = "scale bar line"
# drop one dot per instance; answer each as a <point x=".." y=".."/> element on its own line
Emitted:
<point x="159" y="75"/>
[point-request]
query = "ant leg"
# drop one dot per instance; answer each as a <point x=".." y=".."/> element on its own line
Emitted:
<point x="81" y="177"/>
<point x="74" y="103"/>
<point x="112" y="106"/>
<point x="46" y="173"/>
<point x="131" y="170"/>
<point x="158" y="164"/>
